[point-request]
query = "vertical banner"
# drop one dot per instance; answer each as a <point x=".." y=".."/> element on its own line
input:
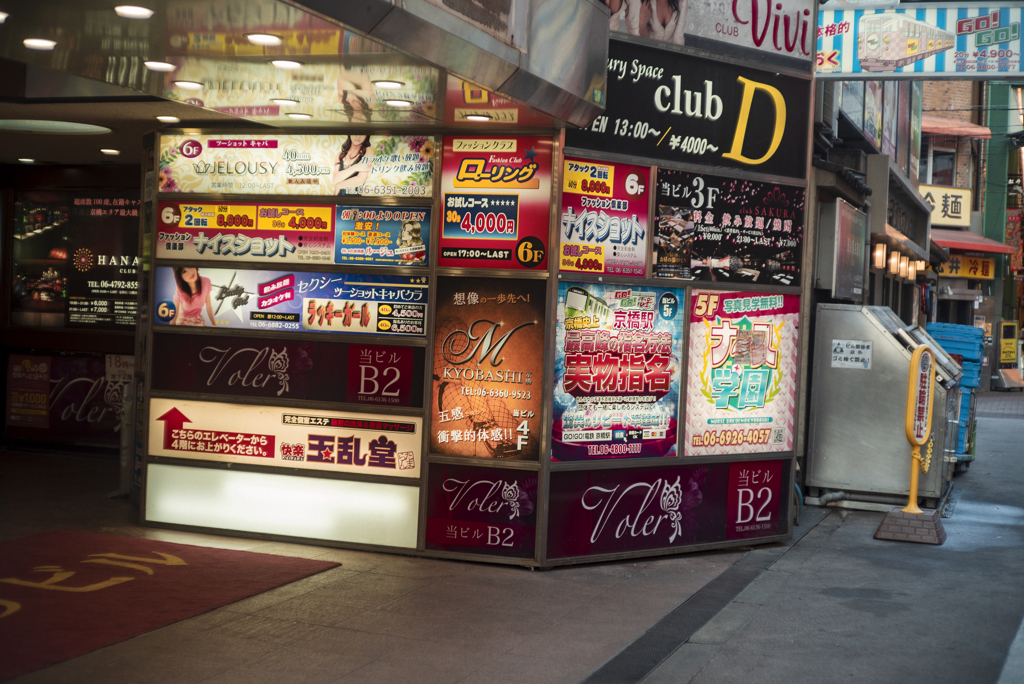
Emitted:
<point x="741" y="383"/>
<point x="487" y="511"/>
<point x="497" y="198"/>
<point x="488" y="368"/>
<point x="617" y="372"/>
<point x="753" y="499"/>
<point x="604" y="218"/>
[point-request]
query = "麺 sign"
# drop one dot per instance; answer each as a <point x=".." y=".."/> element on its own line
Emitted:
<point x="673" y="107"/>
<point x="950" y="206"/>
<point x="286" y="437"/>
<point x="599" y="512"/>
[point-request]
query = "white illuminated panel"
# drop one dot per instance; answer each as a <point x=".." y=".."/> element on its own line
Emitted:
<point x="335" y="510"/>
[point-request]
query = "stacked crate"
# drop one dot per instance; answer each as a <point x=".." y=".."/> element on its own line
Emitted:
<point x="966" y="344"/>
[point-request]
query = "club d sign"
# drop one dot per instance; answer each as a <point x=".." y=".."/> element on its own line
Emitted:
<point x="672" y="107"/>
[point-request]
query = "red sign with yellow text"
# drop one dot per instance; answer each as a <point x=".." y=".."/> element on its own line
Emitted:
<point x="497" y="198"/>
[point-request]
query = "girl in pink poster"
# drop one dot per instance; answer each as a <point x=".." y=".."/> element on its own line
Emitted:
<point x="191" y="293"/>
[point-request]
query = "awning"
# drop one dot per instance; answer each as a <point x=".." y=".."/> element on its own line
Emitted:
<point x="966" y="241"/>
<point x="936" y="125"/>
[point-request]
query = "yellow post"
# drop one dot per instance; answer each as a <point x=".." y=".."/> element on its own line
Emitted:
<point x="920" y="391"/>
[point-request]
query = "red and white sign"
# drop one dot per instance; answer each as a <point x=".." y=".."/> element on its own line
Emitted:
<point x="286" y="437"/>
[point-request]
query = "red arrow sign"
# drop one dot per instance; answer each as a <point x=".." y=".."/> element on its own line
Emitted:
<point x="173" y="420"/>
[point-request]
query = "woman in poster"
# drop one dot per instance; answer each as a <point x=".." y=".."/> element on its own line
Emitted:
<point x="192" y="291"/>
<point x="353" y="167"/>
<point x="410" y="237"/>
<point x="659" y="19"/>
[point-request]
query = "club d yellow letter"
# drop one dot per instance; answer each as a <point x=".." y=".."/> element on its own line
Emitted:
<point x="749" y="88"/>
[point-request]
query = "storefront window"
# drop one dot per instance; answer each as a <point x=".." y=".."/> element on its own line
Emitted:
<point x="943" y="167"/>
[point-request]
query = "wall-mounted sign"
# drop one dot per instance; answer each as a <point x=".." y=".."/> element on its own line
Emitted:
<point x="203" y="231"/>
<point x="739" y="28"/>
<point x="290" y="300"/>
<point x="950" y="206"/>
<point x="946" y="39"/>
<point x="853" y="354"/>
<point x="76" y="396"/>
<point x="599" y="512"/>
<point x="604" y="218"/>
<point x="489" y="511"/>
<point x="398" y="236"/>
<point x="617" y="371"/>
<point x="674" y="107"/>
<point x="727" y="229"/>
<point x="312" y="371"/>
<point x="464" y="99"/>
<point x="285" y="437"/>
<point x="1008" y="342"/>
<point x="497" y="199"/>
<point x="973" y="268"/>
<point x="741" y="381"/>
<point x="1013" y="238"/>
<point x="488" y="368"/>
<point x="368" y="166"/>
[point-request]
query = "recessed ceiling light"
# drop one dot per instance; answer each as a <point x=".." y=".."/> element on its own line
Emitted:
<point x="51" y="127"/>
<point x="297" y="115"/>
<point x="3" y="17"/>
<point x="398" y="103"/>
<point x="388" y="84"/>
<point x="27" y="161"/>
<point x="284" y="101"/>
<point x="263" y="39"/>
<point x="189" y="85"/>
<point x="133" y="12"/>
<point x="160" y="66"/>
<point x="168" y="119"/>
<point x="286" y="64"/>
<point x="39" y="44"/>
<point x="108" y="151"/>
<point x="478" y="117"/>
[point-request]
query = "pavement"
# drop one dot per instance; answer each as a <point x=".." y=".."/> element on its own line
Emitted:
<point x="833" y="604"/>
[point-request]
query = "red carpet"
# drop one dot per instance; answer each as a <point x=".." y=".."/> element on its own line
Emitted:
<point x="63" y="594"/>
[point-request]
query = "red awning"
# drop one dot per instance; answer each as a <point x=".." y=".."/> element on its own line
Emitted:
<point x="936" y="125"/>
<point x="966" y="241"/>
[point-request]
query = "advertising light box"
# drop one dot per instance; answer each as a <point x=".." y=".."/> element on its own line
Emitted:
<point x="617" y="372"/>
<point x="741" y="376"/>
<point x="290" y="300"/>
<point x="487" y="394"/>
<point x="727" y="229"/>
<point x="396" y="236"/>
<point x="336" y="441"/>
<point x="297" y="164"/>
<point x="497" y="199"/>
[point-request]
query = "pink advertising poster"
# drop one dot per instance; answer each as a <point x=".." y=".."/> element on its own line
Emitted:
<point x="741" y="386"/>
<point x="497" y="199"/>
<point x="604" y="228"/>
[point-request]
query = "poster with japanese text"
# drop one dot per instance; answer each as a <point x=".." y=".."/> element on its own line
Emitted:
<point x="1013" y="238"/>
<point x="490" y="511"/>
<point x="261" y="233"/>
<point x="604" y="218"/>
<point x="497" y="198"/>
<point x="336" y="441"/>
<point x="395" y="236"/>
<point x="294" y="164"/>
<point x="618" y="361"/>
<point x="741" y="373"/>
<point x="243" y="299"/>
<point x="727" y="229"/>
<point x="488" y="368"/>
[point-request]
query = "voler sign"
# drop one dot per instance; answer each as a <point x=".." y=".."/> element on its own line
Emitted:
<point x="673" y="107"/>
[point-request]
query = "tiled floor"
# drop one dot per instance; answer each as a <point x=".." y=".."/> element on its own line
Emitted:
<point x="1000" y="404"/>
<point x="377" y="618"/>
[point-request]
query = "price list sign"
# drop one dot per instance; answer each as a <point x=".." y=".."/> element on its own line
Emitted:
<point x="604" y="228"/>
<point x="497" y="197"/>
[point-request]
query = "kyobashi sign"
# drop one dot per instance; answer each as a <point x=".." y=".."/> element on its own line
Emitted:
<point x="335" y="441"/>
<point x="677" y="108"/>
<point x="923" y="41"/>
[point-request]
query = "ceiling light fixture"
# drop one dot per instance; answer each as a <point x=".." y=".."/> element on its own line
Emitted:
<point x="398" y="103"/>
<point x="288" y="64"/>
<point x="3" y="17"/>
<point x="267" y="39"/>
<point x="284" y="101"/>
<point x="27" y="161"/>
<point x="133" y="12"/>
<point x="160" y="66"/>
<point x="297" y="115"/>
<point x="110" y="152"/>
<point x="39" y="44"/>
<point x="478" y="117"/>
<point x="51" y="127"/>
<point x="168" y="119"/>
<point x="189" y="85"/>
<point x="388" y="84"/>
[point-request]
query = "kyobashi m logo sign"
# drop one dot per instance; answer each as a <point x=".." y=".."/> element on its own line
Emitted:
<point x="458" y="347"/>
